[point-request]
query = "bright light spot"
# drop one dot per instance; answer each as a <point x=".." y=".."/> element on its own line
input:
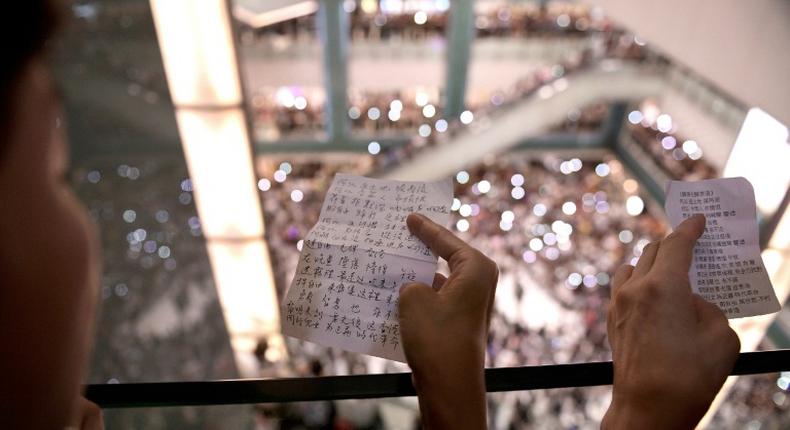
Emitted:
<point x="690" y="147"/>
<point x="264" y="184"/>
<point x="164" y="252"/>
<point x="565" y="168"/>
<point x="517" y="180"/>
<point x="462" y="177"/>
<point x="569" y="208"/>
<point x="467" y="117"/>
<point x="285" y="97"/>
<point x="576" y="164"/>
<point x="393" y="115"/>
<point x="421" y="98"/>
<point x="508" y="216"/>
<point x="635" y="117"/>
<point x="783" y="382"/>
<point x="574" y="279"/>
<point x="441" y="126"/>
<point x="696" y="155"/>
<point x="552" y="253"/>
<point x="484" y="186"/>
<point x="286" y="167"/>
<point x="518" y="193"/>
<point x="299" y="245"/>
<point x="563" y="20"/>
<point x="424" y="130"/>
<point x="664" y="123"/>
<point x="602" y="170"/>
<point x="456" y="205"/>
<point x="630" y="185"/>
<point x="349" y="6"/>
<point x="396" y="105"/>
<point x="428" y="111"/>
<point x="300" y="103"/>
<point x="353" y="112"/>
<point x="465" y="210"/>
<point x="535" y="244"/>
<point x="374" y="148"/>
<point x="297" y="196"/>
<point x="162" y="216"/>
<point x="280" y="176"/>
<point x="462" y="225"/>
<point x="545" y="92"/>
<point x="539" y="209"/>
<point x="94" y="176"/>
<point x="475" y="209"/>
<point x="505" y="226"/>
<point x="625" y="236"/>
<point x="374" y="113"/>
<point x="129" y="215"/>
<point x="420" y="17"/>
<point x="634" y="205"/>
<point x="589" y="281"/>
<point x="602" y="207"/>
<point x="639" y="41"/>
<point x="529" y="256"/>
<point x="668" y="142"/>
<point x="549" y="238"/>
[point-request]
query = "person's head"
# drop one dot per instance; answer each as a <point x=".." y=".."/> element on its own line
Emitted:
<point x="43" y="229"/>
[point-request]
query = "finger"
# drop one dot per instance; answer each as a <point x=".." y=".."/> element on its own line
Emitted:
<point x="438" y="281"/>
<point x="677" y="249"/>
<point x="91" y="416"/>
<point x="440" y="240"/>
<point x="647" y="259"/>
<point x="412" y="296"/>
<point x="707" y="312"/>
<point x="622" y="274"/>
<point x="491" y="297"/>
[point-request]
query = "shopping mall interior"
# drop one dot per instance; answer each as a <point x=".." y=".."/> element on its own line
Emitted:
<point x="204" y="135"/>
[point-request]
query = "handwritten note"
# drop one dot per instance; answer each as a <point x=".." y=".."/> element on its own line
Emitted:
<point x="355" y="259"/>
<point x="727" y="268"/>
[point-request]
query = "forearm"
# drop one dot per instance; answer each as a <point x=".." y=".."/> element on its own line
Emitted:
<point x="647" y="417"/>
<point x="452" y="398"/>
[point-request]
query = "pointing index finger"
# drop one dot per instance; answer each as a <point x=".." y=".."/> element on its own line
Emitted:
<point x="677" y="250"/>
<point x="440" y="240"/>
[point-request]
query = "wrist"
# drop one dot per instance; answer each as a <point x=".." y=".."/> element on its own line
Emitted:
<point x="630" y="414"/>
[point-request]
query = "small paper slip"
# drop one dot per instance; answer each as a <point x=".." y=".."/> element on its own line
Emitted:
<point x="727" y="268"/>
<point x="355" y="259"/>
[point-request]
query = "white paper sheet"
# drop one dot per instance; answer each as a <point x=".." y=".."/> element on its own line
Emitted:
<point x="355" y="259"/>
<point x="727" y="268"/>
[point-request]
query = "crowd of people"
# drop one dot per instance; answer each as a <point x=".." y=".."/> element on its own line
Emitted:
<point x="158" y="299"/>
<point x="161" y="319"/>
<point x="557" y="238"/>
<point x="679" y="158"/>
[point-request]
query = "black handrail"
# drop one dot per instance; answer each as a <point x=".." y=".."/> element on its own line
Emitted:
<point x="245" y="391"/>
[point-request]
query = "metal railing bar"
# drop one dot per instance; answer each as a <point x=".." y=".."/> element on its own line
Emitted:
<point x="247" y="391"/>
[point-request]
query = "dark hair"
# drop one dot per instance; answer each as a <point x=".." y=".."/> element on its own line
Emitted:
<point x="24" y="29"/>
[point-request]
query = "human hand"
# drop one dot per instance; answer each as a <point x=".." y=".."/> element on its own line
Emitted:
<point x="89" y="416"/>
<point x="444" y="330"/>
<point x="672" y="350"/>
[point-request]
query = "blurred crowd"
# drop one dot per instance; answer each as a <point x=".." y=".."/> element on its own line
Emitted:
<point x="557" y="228"/>
<point x="680" y="159"/>
<point x="297" y="110"/>
<point x="158" y="299"/>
